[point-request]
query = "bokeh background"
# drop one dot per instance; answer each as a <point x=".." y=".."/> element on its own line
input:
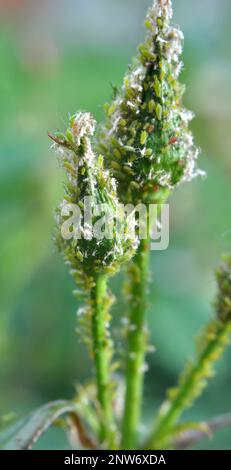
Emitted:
<point x="58" y="57"/>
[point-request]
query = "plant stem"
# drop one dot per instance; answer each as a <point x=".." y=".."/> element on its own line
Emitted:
<point x="190" y="387"/>
<point x="102" y="353"/>
<point x="136" y="346"/>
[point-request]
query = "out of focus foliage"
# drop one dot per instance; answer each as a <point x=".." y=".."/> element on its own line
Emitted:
<point x="68" y="64"/>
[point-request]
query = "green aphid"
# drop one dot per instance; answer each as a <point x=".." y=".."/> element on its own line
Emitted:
<point x="144" y="106"/>
<point x="159" y="112"/>
<point x="162" y="72"/>
<point x="148" y="153"/>
<point x="148" y="24"/>
<point x="69" y="167"/>
<point x="165" y="113"/>
<point x="143" y="137"/>
<point x="114" y="141"/>
<point x="128" y="148"/>
<point x="145" y="85"/>
<point x="157" y="87"/>
<point x="134" y="185"/>
<point x="69" y="136"/>
<point x="70" y="199"/>
<point x="115" y="165"/>
<point x="117" y="153"/>
<point x="122" y="123"/>
<point x="81" y="204"/>
<point x="151" y="106"/>
<point x="111" y="109"/>
<point x="71" y="120"/>
<point x="119" y="175"/>
<point x="79" y="255"/>
<point x="126" y="83"/>
<point x="100" y="160"/>
<point x="132" y="157"/>
<point x="129" y="170"/>
<point x="147" y="54"/>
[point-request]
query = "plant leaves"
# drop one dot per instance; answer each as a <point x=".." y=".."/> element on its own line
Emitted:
<point x="24" y="433"/>
<point x="189" y="435"/>
<point x="191" y="426"/>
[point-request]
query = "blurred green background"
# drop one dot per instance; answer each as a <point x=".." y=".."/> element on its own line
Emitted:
<point x="58" y="57"/>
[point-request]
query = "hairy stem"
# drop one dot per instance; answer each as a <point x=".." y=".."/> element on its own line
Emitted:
<point x="190" y="387"/>
<point x="101" y="351"/>
<point x="136" y="346"/>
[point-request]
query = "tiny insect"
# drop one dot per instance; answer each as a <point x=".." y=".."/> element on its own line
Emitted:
<point x="173" y="140"/>
<point x="156" y="188"/>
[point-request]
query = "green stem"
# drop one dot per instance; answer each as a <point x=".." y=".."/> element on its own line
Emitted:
<point x="189" y="389"/>
<point x="136" y="346"/>
<point x="101" y="351"/>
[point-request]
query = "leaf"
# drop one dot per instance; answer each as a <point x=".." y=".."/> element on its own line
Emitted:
<point x="189" y="426"/>
<point x="24" y="433"/>
<point x="191" y="433"/>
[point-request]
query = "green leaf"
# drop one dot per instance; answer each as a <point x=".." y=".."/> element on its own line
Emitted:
<point x="24" y="433"/>
<point x="183" y="428"/>
<point x="192" y="433"/>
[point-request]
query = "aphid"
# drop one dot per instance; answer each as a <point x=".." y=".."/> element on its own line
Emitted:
<point x="151" y="106"/>
<point x="173" y="140"/>
<point x="143" y="137"/>
<point x="126" y="82"/>
<point x="151" y="128"/>
<point x="156" y="188"/>
<point x="115" y="165"/>
<point x="148" y="24"/>
<point x="79" y="255"/>
<point x="158" y="111"/>
<point x="129" y="148"/>
<point x="148" y="152"/>
<point x="100" y="160"/>
<point x="157" y="87"/>
<point x="111" y="109"/>
<point x="70" y="168"/>
<point x="122" y="122"/>
<point x="117" y="153"/>
<point x="128" y="170"/>
<point x="74" y="125"/>
<point x="134" y="185"/>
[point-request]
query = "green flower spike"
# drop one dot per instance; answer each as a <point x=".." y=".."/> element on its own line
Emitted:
<point x="94" y="250"/>
<point x="146" y="138"/>
<point x="92" y="257"/>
